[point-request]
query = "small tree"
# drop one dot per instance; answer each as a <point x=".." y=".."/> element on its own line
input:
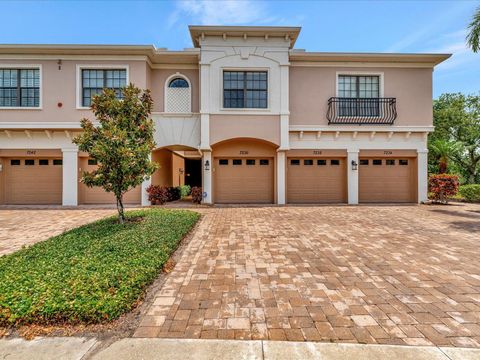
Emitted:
<point x="444" y="150"/>
<point x="456" y="118"/>
<point x="121" y="144"/>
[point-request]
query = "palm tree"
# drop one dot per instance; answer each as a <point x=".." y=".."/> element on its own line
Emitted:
<point x="444" y="150"/>
<point x="473" y="37"/>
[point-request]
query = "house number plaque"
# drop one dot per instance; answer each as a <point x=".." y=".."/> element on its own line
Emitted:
<point x="317" y="152"/>
<point x="243" y="152"/>
<point x="31" y="152"/>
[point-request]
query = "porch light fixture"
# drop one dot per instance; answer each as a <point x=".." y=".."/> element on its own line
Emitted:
<point x="207" y="165"/>
<point x="354" y="165"/>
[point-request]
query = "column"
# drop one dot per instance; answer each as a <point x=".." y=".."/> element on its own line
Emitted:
<point x="281" y="175"/>
<point x="284" y="107"/>
<point x="422" y="163"/>
<point x="145" y="184"/>
<point x="70" y="177"/>
<point x="207" y="169"/>
<point x="205" y="106"/>
<point x="352" y="177"/>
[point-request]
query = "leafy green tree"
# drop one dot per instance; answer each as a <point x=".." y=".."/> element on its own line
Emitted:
<point x="121" y="143"/>
<point x="473" y="37"/>
<point x="456" y="118"/>
<point x="444" y="150"/>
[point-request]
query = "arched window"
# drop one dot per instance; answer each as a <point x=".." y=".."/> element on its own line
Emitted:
<point x="178" y="98"/>
<point x="178" y="83"/>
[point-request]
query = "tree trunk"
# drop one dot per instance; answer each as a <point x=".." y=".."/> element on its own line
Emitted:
<point x="120" y="209"/>
<point x="471" y="177"/>
<point x="442" y="167"/>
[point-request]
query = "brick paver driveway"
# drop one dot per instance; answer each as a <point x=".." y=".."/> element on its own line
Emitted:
<point x="369" y="274"/>
<point x="21" y="226"/>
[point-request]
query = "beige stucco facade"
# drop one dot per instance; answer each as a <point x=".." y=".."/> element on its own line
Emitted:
<point x="412" y="87"/>
<point x="193" y="122"/>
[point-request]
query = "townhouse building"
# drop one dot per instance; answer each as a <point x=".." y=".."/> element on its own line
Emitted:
<point x="243" y="114"/>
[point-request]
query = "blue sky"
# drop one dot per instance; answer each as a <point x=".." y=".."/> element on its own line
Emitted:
<point x="363" y="26"/>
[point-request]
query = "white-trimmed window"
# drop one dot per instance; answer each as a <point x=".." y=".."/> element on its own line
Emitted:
<point x="93" y="78"/>
<point x="359" y="86"/>
<point x="359" y="95"/>
<point x="178" y="94"/>
<point x="245" y="89"/>
<point x="20" y="87"/>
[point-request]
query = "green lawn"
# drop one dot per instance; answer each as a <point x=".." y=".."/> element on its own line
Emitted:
<point x="92" y="273"/>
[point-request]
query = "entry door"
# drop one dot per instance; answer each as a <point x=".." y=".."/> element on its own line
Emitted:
<point x="240" y="180"/>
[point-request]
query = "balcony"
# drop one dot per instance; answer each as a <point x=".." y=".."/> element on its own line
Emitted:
<point x="361" y="111"/>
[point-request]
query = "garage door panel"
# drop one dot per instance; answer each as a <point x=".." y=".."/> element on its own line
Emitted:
<point x="96" y="195"/>
<point x="387" y="183"/>
<point x="321" y="182"/>
<point x="33" y="184"/>
<point x="243" y="183"/>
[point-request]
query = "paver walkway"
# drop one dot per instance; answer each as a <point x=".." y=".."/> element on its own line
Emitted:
<point x="25" y="226"/>
<point x="406" y="275"/>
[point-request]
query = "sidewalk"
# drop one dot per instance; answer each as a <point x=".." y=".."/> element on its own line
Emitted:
<point x="172" y="349"/>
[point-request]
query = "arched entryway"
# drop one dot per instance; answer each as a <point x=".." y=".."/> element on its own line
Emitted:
<point x="178" y="165"/>
<point x="244" y="171"/>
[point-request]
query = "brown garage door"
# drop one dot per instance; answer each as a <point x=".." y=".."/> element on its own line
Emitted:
<point x="33" y="181"/>
<point x="96" y="195"/>
<point x="243" y="180"/>
<point x="316" y="180"/>
<point x="387" y="180"/>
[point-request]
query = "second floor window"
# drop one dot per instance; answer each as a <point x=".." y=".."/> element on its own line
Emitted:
<point x="19" y="87"/>
<point x="95" y="80"/>
<point x="245" y="89"/>
<point x="360" y="95"/>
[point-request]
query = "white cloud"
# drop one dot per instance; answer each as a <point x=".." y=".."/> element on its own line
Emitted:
<point x="431" y="28"/>
<point x="206" y="12"/>
<point x="231" y="12"/>
<point x="454" y="43"/>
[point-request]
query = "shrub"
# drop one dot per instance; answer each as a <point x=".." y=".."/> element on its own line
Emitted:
<point x="157" y="195"/>
<point x="470" y="192"/>
<point x="197" y="195"/>
<point x="443" y="186"/>
<point x="184" y="190"/>
<point x="173" y="193"/>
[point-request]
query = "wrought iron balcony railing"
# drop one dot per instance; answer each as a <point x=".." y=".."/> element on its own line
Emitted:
<point x="361" y="111"/>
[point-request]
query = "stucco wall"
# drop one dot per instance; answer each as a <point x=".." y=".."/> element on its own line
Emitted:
<point x="163" y="175"/>
<point x="60" y="86"/>
<point x="157" y="86"/>
<point x="224" y="127"/>
<point x="2" y="181"/>
<point x="311" y="87"/>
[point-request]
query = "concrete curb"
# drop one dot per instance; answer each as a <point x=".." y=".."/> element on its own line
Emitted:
<point x="183" y="349"/>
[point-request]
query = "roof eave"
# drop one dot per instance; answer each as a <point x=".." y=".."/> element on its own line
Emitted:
<point x="426" y="58"/>
<point x="275" y="31"/>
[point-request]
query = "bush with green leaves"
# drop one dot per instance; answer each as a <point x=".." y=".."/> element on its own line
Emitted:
<point x="90" y="274"/>
<point x="184" y="190"/>
<point x="470" y="192"/>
